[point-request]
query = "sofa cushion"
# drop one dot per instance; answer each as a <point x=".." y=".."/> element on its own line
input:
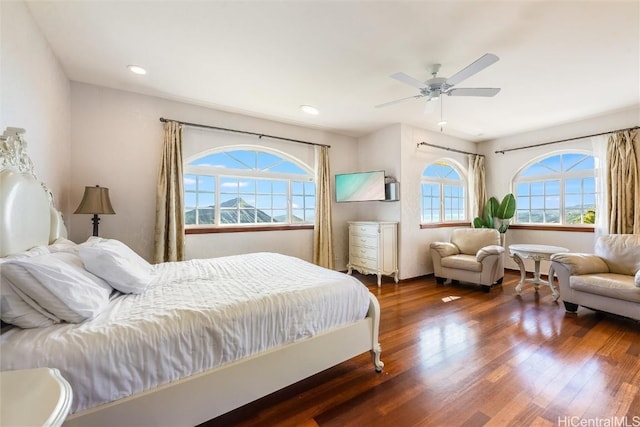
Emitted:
<point x="462" y="262"/>
<point x="470" y="240"/>
<point x="621" y="252"/>
<point x="612" y="285"/>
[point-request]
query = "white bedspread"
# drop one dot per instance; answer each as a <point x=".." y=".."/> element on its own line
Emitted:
<point x="197" y="315"/>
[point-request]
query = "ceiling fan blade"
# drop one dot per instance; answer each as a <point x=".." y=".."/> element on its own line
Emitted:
<point x="473" y="68"/>
<point x="478" y="91"/>
<point x="398" y="100"/>
<point x="404" y="78"/>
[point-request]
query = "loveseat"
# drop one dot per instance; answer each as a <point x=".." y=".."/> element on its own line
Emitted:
<point x="607" y="280"/>
<point x="472" y="255"/>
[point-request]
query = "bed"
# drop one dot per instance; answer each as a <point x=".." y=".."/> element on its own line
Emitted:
<point x="201" y="338"/>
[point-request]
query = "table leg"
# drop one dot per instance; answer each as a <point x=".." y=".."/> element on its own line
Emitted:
<point x="536" y="274"/>
<point x="523" y="272"/>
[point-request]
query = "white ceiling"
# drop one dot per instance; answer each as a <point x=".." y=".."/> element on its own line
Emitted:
<point x="560" y="61"/>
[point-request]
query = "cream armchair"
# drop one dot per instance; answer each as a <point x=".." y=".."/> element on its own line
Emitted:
<point x="607" y="280"/>
<point x="473" y="255"/>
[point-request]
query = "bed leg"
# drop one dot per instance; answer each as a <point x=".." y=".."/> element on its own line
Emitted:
<point x="375" y="356"/>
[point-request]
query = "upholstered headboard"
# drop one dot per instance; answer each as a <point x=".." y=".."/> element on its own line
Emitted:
<point x="28" y="217"/>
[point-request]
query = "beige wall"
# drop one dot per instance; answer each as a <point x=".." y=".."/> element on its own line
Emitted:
<point x="502" y="168"/>
<point x="116" y="142"/>
<point x="35" y="96"/>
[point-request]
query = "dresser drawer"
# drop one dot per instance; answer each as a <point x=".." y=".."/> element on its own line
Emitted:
<point x="363" y="262"/>
<point x="362" y="252"/>
<point x="364" y="230"/>
<point x="363" y="241"/>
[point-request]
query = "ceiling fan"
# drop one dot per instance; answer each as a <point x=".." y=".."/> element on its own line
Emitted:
<point x="433" y="88"/>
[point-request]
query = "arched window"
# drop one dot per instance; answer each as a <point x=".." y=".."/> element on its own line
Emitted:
<point x="444" y="193"/>
<point x="557" y="189"/>
<point x="247" y="186"/>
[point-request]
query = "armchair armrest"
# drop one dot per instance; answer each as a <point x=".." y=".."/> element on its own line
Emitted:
<point x="489" y="250"/>
<point x="445" y="248"/>
<point x="581" y="263"/>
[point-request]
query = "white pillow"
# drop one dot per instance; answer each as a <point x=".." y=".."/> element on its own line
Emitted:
<point x="59" y="284"/>
<point x="637" y="279"/>
<point x="17" y="308"/>
<point x="20" y="310"/>
<point x="62" y="245"/>
<point x="116" y="263"/>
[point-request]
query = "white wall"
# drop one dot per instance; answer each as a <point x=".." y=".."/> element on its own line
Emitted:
<point x="35" y="95"/>
<point x="116" y="141"/>
<point x="416" y="260"/>
<point x="501" y="169"/>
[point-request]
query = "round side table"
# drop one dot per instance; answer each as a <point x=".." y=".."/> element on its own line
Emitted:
<point x="537" y="253"/>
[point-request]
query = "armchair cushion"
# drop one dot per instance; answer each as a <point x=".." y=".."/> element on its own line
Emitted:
<point x="471" y="240"/>
<point x="445" y="249"/>
<point x="621" y="252"/>
<point x="612" y="285"/>
<point x="637" y="279"/>
<point x="578" y="263"/>
<point x="462" y="262"/>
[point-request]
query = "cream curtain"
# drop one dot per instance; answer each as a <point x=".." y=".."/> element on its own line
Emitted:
<point x="599" y="145"/>
<point x="478" y="190"/>
<point x="623" y="198"/>
<point x="169" y="237"/>
<point x="322" y="234"/>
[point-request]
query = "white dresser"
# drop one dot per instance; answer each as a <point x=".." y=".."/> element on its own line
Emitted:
<point x="373" y="248"/>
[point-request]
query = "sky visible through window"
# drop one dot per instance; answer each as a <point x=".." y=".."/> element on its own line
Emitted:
<point x="250" y="187"/>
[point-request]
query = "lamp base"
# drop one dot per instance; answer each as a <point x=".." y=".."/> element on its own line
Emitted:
<point x="95" y="220"/>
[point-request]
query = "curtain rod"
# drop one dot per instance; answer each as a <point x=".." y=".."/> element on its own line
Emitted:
<point x="447" y="148"/>
<point x="259" y="135"/>
<point x="565" y="140"/>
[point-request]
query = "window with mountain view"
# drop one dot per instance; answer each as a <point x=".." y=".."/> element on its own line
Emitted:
<point x="247" y="187"/>
<point x="443" y="194"/>
<point x="558" y="189"/>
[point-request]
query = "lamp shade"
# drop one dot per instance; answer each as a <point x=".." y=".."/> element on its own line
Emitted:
<point x="95" y="201"/>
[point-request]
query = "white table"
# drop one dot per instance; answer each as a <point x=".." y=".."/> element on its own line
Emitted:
<point x="537" y="253"/>
<point x="34" y="397"/>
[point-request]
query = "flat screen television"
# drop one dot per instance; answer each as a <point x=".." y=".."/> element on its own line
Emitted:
<point x="360" y="186"/>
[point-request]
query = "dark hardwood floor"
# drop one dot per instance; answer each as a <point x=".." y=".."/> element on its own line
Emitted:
<point x="485" y="359"/>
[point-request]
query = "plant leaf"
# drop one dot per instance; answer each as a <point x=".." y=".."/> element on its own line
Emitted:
<point x="507" y="207"/>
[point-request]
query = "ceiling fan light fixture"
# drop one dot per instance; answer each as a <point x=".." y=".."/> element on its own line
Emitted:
<point x="308" y="109"/>
<point x="442" y="123"/>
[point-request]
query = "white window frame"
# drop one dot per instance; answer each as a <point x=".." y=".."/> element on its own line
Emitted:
<point x="221" y="172"/>
<point x="442" y="183"/>
<point x="561" y="177"/>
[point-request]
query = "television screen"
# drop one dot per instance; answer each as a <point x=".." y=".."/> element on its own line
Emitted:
<point x="360" y="186"/>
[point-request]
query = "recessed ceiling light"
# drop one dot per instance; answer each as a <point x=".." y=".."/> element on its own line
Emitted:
<point x="136" y="69"/>
<point x="310" y="110"/>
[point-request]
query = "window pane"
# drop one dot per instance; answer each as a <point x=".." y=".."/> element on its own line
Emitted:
<point x="552" y="187"/>
<point x="189" y="182"/>
<point x="280" y="187"/>
<point x="279" y="202"/>
<point x="297" y="187"/>
<point x="206" y="183"/>
<point x="206" y="199"/>
<point x="522" y="189"/>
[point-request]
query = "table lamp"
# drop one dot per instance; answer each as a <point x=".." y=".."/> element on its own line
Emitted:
<point x="95" y="201"/>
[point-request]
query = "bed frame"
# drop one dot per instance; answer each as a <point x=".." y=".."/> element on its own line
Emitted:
<point x="28" y="218"/>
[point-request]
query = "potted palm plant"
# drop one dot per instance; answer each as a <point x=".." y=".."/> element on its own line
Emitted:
<point x="497" y="214"/>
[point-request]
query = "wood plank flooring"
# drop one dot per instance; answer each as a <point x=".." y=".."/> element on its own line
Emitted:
<point x="485" y="359"/>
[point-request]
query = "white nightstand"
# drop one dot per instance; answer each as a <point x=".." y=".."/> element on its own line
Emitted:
<point x="34" y="397"/>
